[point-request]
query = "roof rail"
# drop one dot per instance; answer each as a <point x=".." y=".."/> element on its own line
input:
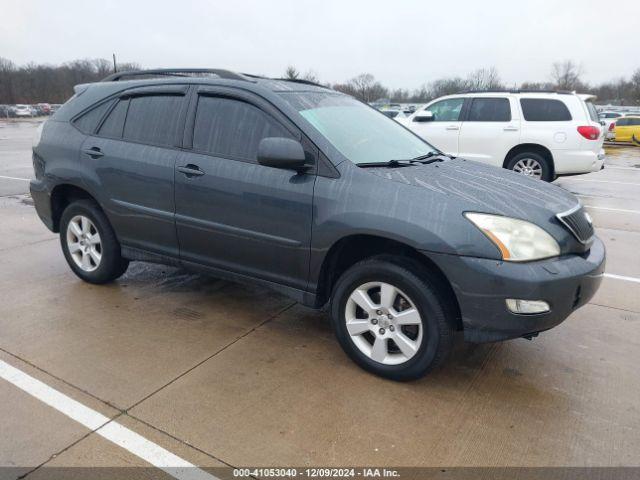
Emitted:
<point x="519" y="90"/>
<point x="175" y="72"/>
<point x="300" y="80"/>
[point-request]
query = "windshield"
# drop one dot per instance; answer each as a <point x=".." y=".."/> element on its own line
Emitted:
<point x="360" y="133"/>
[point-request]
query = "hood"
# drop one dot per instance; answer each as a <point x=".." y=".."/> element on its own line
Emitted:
<point x="486" y="189"/>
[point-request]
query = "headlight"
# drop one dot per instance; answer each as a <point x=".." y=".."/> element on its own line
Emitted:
<point x="517" y="240"/>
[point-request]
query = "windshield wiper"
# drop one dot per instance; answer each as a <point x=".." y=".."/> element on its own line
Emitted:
<point x="389" y="164"/>
<point x="430" y="158"/>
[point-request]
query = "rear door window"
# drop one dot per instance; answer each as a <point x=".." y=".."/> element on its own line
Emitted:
<point x="489" y="110"/>
<point x="114" y="123"/>
<point x="544" y="110"/>
<point x="232" y="128"/>
<point x="153" y="119"/>
<point x="88" y="122"/>
<point x="623" y="122"/>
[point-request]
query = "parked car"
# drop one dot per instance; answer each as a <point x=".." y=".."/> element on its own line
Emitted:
<point x="538" y="134"/>
<point x="608" y="120"/>
<point x="45" y="108"/>
<point x="22" y="111"/>
<point x="308" y="191"/>
<point x="4" y="111"/>
<point x="627" y="129"/>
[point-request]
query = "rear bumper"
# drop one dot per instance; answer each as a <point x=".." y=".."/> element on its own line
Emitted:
<point x="568" y="162"/>
<point x="482" y="287"/>
<point x="42" y="202"/>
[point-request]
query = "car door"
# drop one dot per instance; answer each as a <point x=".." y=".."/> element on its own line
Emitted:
<point x="132" y="161"/>
<point x="233" y="214"/>
<point x="490" y="128"/>
<point x="442" y="128"/>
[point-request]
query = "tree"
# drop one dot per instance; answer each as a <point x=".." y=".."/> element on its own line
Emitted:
<point x="635" y="86"/>
<point x="484" y="79"/>
<point x="566" y="75"/>
<point x="291" y="73"/>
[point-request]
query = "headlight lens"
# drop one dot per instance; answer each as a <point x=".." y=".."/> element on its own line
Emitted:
<point x="517" y="240"/>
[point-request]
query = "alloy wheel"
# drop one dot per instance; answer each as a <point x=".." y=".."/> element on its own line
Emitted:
<point x="83" y="243"/>
<point x="529" y="167"/>
<point x="383" y="323"/>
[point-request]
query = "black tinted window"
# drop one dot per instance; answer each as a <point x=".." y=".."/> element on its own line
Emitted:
<point x="622" y="122"/>
<point x="153" y="119"/>
<point x="544" y="110"/>
<point x="89" y="121"/>
<point x="634" y="121"/>
<point x="489" y="110"/>
<point x="232" y="128"/>
<point x="113" y="124"/>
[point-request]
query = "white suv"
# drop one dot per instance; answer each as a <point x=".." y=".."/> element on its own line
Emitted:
<point x="540" y="134"/>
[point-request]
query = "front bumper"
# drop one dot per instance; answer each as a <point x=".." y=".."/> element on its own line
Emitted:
<point x="482" y="287"/>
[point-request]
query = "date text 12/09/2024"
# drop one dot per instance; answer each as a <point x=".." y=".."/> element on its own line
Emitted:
<point x="313" y="473"/>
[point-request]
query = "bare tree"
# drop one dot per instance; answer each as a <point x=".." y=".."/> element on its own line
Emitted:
<point x="291" y="73"/>
<point x="484" y="79"/>
<point x="566" y="75"/>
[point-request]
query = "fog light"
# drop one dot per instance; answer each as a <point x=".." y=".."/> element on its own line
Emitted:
<point x="527" y="306"/>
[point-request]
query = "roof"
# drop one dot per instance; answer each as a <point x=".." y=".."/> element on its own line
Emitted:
<point x="276" y="85"/>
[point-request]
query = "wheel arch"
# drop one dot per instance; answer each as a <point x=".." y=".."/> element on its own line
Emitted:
<point x="531" y="147"/>
<point x="61" y="196"/>
<point x="352" y="249"/>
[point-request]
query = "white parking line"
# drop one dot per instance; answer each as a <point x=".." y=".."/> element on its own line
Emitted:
<point x="16" y="178"/>
<point x="611" y="209"/>
<point x="622" y="277"/>
<point x="110" y="430"/>
<point x="602" y="181"/>
<point x="609" y="167"/>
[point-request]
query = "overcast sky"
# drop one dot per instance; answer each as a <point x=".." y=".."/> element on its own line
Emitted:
<point x="404" y="43"/>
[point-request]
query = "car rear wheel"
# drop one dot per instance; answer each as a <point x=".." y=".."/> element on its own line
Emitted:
<point x="391" y="319"/>
<point x="532" y="165"/>
<point x="89" y="243"/>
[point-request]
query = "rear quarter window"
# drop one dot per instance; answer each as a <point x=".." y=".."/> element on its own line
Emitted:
<point x="544" y="110"/>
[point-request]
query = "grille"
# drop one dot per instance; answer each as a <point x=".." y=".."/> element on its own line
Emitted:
<point x="577" y="222"/>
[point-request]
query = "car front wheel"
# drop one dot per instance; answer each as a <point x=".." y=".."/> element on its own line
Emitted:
<point x="391" y="319"/>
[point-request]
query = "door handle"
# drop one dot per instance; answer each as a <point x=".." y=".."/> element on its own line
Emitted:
<point x="510" y="129"/>
<point x="453" y="127"/>
<point x="190" y="170"/>
<point x="93" y="152"/>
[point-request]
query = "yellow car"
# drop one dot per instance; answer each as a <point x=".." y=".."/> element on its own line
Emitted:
<point x="627" y="129"/>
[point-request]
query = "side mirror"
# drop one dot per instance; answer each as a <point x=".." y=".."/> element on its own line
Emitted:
<point x="424" y="116"/>
<point x="279" y="152"/>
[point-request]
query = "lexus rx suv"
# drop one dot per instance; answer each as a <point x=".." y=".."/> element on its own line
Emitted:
<point x="539" y="134"/>
<point x="310" y="192"/>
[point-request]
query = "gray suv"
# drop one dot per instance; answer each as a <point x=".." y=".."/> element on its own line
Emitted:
<point x="310" y="192"/>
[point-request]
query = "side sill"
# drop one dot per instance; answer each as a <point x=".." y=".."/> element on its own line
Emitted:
<point x="308" y="299"/>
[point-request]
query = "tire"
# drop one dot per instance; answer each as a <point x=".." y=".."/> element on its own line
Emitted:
<point x="416" y="291"/>
<point x="532" y="165"/>
<point x="93" y="262"/>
